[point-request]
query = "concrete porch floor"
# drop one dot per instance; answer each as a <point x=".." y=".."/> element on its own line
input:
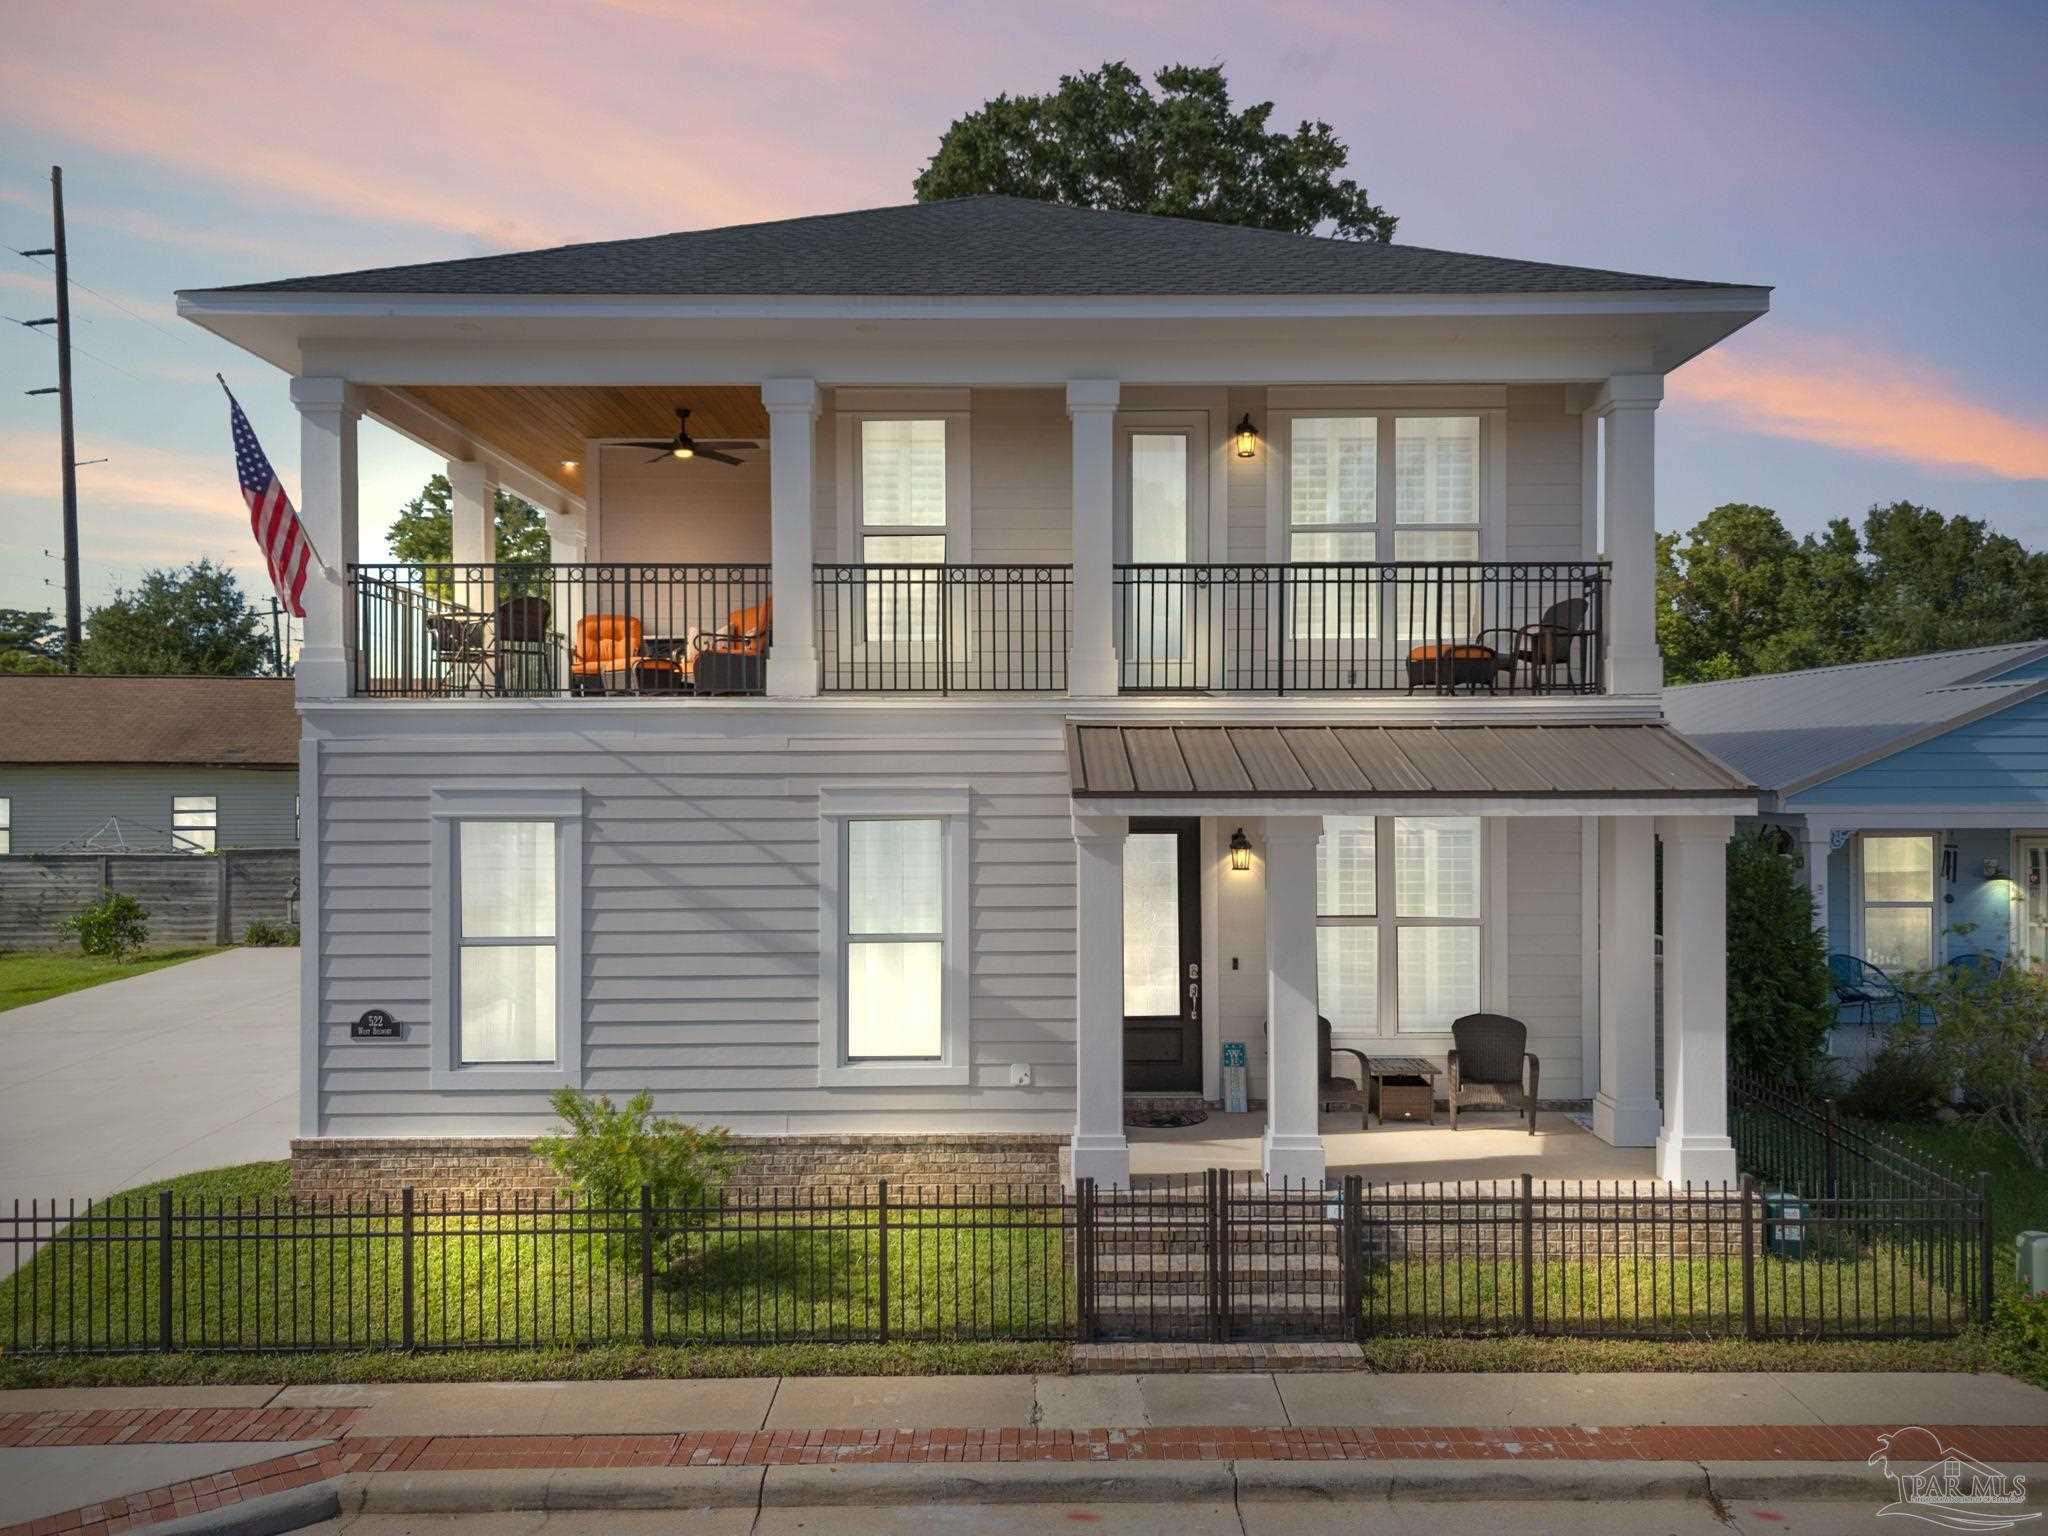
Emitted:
<point x="1486" y="1145"/>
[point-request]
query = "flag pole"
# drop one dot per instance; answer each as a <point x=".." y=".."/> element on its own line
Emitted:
<point x="318" y="559"/>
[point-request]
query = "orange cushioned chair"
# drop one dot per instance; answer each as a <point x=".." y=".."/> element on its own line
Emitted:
<point x="1449" y="667"/>
<point x="735" y="659"/>
<point x="607" y="657"/>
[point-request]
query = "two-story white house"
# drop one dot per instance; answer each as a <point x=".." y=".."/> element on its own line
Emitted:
<point x="1055" y="644"/>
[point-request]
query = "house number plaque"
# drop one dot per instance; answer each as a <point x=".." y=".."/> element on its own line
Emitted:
<point x="375" y="1024"/>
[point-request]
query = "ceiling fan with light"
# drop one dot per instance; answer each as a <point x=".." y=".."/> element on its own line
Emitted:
<point x="684" y="446"/>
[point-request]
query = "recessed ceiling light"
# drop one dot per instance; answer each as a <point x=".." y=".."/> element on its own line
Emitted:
<point x="570" y="465"/>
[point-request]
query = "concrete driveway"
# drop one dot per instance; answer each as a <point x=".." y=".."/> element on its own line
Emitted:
<point x="194" y="1066"/>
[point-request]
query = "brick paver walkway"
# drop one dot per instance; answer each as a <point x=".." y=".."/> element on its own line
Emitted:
<point x="768" y="1448"/>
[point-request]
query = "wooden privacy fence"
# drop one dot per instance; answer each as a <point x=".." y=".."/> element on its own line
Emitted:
<point x="191" y="898"/>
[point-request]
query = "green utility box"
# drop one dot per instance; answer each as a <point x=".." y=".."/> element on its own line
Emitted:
<point x="1784" y="1226"/>
<point x="2033" y="1266"/>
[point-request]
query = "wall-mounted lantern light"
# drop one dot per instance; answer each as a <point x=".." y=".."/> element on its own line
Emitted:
<point x="1993" y="870"/>
<point x="1247" y="437"/>
<point x="1240" y="850"/>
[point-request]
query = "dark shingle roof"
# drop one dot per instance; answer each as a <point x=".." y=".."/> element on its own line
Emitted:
<point x="216" y="721"/>
<point x="980" y="247"/>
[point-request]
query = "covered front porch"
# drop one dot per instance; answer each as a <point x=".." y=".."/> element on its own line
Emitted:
<point x="1306" y="899"/>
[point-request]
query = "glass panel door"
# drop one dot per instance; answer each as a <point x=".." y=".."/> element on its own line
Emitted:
<point x="1162" y="956"/>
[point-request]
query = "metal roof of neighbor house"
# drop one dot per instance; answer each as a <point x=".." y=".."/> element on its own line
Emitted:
<point x="1267" y="760"/>
<point x="1790" y="730"/>
<point x="987" y="246"/>
<point x="216" y="721"/>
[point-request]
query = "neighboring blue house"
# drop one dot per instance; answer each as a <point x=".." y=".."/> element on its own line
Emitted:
<point x="1916" y="790"/>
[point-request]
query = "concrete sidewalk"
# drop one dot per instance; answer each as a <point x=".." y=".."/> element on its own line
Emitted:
<point x="429" y="1450"/>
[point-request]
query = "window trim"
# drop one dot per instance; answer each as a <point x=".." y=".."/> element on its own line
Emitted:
<point x="1863" y="903"/>
<point x="446" y="810"/>
<point x="181" y="841"/>
<point x="1386" y="921"/>
<point x="950" y="807"/>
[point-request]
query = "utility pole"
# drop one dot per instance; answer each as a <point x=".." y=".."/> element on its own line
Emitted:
<point x="68" y="448"/>
<point x="276" y="638"/>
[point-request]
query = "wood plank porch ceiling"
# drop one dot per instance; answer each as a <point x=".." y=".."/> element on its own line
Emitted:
<point x="1260" y="760"/>
<point x="545" y="426"/>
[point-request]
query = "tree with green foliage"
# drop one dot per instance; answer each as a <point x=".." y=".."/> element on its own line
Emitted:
<point x="1104" y="140"/>
<point x="192" y="620"/>
<point x="424" y="534"/>
<point x="30" y="642"/>
<point x="1737" y="595"/>
<point x="1780" y="996"/>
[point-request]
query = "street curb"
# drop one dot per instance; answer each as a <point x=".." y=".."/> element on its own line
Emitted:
<point x="876" y="1485"/>
<point x="273" y="1513"/>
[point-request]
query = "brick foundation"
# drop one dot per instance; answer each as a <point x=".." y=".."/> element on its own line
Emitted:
<point x="339" y="1167"/>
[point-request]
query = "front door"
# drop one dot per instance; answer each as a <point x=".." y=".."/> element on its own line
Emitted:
<point x="1163" y="956"/>
<point x="2033" y="878"/>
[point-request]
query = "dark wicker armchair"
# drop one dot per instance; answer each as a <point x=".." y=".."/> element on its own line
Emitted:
<point x="1336" y="1092"/>
<point x="1551" y="642"/>
<point x="1490" y="1067"/>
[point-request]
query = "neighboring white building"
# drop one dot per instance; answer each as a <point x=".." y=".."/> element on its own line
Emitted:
<point x="885" y="779"/>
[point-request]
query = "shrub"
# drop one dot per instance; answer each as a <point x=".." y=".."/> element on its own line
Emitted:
<point x="262" y="934"/>
<point x="1780" y="996"/>
<point x="1902" y="1082"/>
<point x="608" y="1152"/>
<point x="114" y="926"/>
<point x="1990" y="1039"/>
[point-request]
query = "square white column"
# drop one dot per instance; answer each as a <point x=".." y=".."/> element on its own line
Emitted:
<point x="1091" y="659"/>
<point x="1099" y="1149"/>
<point x="1625" y="1112"/>
<point x="792" y="406"/>
<point x="1816" y="842"/>
<point x="1293" y="1146"/>
<point x="1693" y="1146"/>
<point x="328" y="414"/>
<point x="473" y="530"/>
<point x="1629" y="406"/>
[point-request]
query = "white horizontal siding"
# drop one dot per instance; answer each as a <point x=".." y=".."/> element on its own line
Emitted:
<point x="1544" y="511"/>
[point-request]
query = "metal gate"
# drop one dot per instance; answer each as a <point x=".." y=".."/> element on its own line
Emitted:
<point x="1219" y="1257"/>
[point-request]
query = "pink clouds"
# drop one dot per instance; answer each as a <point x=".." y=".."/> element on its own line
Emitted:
<point x="1861" y="400"/>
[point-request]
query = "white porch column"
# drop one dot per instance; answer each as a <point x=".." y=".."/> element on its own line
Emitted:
<point x="1693" y="1145"/>
<point x="1099" y="1149"/>
<point x="1625" y="1110"/>
<point x="1816" y="842"/>
<point x="327" y="506"/>
<point x="472" y="507"/>
<point x="792" y="428"/>
<point x="1629" y="404"/>
<point x="1293" y="1147"/>
<point x="1091" y="660"/>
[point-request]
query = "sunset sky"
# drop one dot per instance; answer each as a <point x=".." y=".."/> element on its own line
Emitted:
<point x="1885" y="166"/>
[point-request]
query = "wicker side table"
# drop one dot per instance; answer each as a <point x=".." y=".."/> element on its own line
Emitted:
<point x="1399" y="1100"/>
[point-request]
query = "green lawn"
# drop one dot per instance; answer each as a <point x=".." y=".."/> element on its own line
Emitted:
<point x="30" y="975"/>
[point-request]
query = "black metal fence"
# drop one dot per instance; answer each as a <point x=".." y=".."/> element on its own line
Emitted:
<point x="944" y="628"/>
<point x="1438" y="626"/>
<point x="449" y="630"/>
<point x="1220" y="1256"/>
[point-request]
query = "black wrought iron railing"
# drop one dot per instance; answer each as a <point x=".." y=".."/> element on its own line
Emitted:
<point x="944" y="628"/>
<point x="1403" y="626"/>
<point x="447" y="630"/>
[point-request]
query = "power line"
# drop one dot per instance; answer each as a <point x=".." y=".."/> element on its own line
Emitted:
<point x="28" y="325"/>
<point x="104" y="299"/>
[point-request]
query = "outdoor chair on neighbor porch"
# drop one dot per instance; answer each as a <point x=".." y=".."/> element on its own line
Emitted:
<point x="1863" y="990"/>
<point x="1491" y="1067"/>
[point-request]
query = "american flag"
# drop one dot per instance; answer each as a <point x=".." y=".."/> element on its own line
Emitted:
<point x="272" y="518"/>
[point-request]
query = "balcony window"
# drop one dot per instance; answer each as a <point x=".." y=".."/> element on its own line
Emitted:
<point x="1333" y="517"/>
<point x="1436" y="517"/>
<point x="903" y="522"/>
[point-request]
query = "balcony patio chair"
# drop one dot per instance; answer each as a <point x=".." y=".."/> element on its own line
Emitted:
<point x="735" y="659"/>
<point x="1863" y="989"/>
<point x="1543" y="647"/>
<point x="460" y="645"/>
<point x="609" y="658"/>
<point x="526" y="645"/>
<point x="1490" y="1067"/>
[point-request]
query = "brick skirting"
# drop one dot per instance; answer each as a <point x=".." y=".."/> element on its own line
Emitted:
<point x="341" y="1167"/>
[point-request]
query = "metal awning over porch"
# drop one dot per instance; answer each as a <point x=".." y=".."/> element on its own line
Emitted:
<point x="1265" y="768"/>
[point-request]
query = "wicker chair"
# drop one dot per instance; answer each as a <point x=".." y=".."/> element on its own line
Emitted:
<point x="1336" y="1092"/>
<point x="1490" y="1067"/>
<point x="1552" y="642"/>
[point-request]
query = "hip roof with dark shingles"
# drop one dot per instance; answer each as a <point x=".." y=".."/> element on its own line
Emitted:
<point x="216" y="721"/>
<point x="987" y="246"/>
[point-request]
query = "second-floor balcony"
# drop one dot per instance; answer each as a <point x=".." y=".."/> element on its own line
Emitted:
<point x="676" y="631"/>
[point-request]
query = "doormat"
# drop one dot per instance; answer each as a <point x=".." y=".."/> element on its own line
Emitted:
<point x="1163" y="1119"/>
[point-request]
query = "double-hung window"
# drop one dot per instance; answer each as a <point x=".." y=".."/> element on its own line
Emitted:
<point x="195" y="821"/>
<point x="1399" y="914"/>
<point x="1333" y="517"/>
<point x="1436" y="523"/>
<point x="893" y="936"/>
<point x="507" y="938"/>
<point x="903" y="523"/>
<point x="6" y="825"/>
<point x="1898" y="901"/>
